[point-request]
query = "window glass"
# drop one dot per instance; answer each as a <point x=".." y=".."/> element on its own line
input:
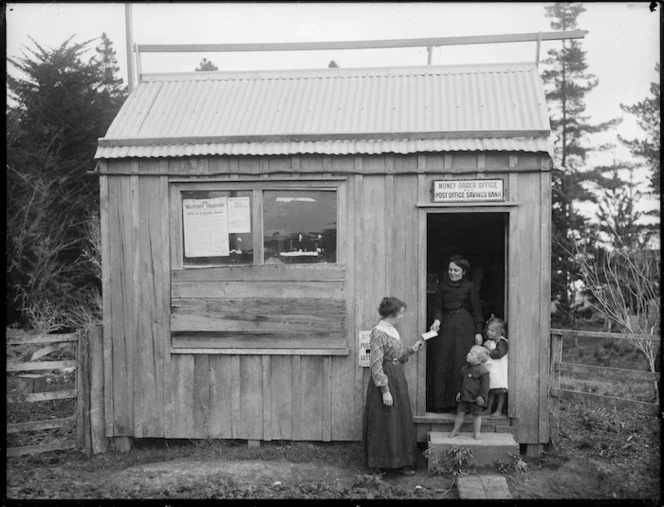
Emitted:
<point x="217" y="227"/>
<point x="300" y="226"/>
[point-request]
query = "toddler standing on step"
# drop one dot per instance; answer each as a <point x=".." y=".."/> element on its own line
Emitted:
<point x="473" y="390"/>
<point x="496" y="343"/>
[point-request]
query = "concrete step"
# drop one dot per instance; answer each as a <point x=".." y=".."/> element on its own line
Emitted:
<point x="490" y="448"/>
<point x="482" y="487"/>
<point x="437" y="422"/>
<point x="444" y="418"/>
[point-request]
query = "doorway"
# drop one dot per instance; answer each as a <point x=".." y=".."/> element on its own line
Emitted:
<point x="482" y="239"/>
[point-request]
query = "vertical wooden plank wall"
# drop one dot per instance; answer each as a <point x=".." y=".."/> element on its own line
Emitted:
<point x="525" y="325"/>
<point x="152" y="312"/>
<point x="401" y="268"/>
<point x="107" y="348"/>
<point x="545" y="306"/>
<point x="370" y="268"/>
<point x="122" y="305"/>
<point x="296" y="397"/>
<point x="136" y="302"/>
<point x="344" y="368"/>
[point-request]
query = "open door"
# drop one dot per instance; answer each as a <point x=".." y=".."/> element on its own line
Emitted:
<point x="480" y="238"/>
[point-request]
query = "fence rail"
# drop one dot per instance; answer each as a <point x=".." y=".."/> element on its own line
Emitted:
<point x="78" y="419"/>
<point x="557" y="366"/>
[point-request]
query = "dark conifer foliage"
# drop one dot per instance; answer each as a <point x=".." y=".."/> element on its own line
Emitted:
<point x="58" y="107"/>
<point x="206" y="66"/>
<point x="648" y="118"/>
<point x="567" y="82"/>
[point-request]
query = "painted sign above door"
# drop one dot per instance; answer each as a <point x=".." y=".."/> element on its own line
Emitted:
<point x="468" y="190"/>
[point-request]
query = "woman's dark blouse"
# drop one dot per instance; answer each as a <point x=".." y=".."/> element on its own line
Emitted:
<point x="452" y="296"/>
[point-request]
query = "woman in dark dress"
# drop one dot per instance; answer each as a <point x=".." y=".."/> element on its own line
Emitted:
<point x="389" y="437"/>
<point x="458" y="320"/>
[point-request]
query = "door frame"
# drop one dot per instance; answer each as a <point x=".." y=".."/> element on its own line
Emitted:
<point x="424" y="210"/>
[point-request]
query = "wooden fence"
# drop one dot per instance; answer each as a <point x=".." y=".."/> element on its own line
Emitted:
<point x="558" y="367"/>
<point x="89" y="434"/>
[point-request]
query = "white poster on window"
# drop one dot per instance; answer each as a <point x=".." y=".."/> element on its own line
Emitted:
<point x="364" y="350"/>
<point x="239" y="215"/>
<point x="205" y="227"/>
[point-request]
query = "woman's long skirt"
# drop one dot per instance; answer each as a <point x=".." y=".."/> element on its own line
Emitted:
<point x="389" y="436"/>
<point x="447" y="355"/>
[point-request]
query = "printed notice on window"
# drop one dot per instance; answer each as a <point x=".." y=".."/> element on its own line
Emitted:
<point x="205" y="227"/>
<point x="239" y="215"/>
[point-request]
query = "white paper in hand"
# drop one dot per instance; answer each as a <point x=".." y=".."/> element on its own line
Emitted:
<point x="429" y="335"/>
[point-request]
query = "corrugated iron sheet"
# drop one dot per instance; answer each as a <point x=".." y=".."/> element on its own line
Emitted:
<point x="361" y="147"/>
<point x="342" y="102"/>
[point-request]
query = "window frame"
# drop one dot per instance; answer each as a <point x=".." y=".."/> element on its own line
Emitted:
<point x="257" y="187"/>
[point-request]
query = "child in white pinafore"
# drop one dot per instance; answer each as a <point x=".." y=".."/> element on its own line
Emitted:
<point x="496" y="343"/>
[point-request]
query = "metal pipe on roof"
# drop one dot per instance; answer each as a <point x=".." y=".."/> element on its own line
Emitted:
<point x="129" y="30"/>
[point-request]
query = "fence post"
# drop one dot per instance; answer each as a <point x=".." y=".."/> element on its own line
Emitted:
<point x="83" y="389"/>
<point x="554" y="384"/>
<point x="97" y="424"/>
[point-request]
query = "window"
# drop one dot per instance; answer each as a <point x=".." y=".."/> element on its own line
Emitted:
<point x="300" y="226"/>
<point x="217" y="227"/>
<point x="255" y="223"/>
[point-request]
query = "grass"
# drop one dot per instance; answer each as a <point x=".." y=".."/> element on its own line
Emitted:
<point x="624" y="444"/>
<point x="610" y="353"/>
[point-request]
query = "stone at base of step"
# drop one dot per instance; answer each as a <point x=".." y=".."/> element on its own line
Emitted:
<point x="483" y="487"/>
<point x="490" y="448"/>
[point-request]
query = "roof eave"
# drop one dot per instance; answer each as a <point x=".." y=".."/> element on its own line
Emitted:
<point x="281" y="138"/>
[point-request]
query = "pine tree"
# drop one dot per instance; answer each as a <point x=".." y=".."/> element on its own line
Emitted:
<point x="110" y="90"/>
<point x="567" y="83"/>
<point x="206" y="66"/>
<point x="618" y="217"/>
<point x="111" y="84"/>
<point x="59" y="106"/>
<point x="647" y="114"/>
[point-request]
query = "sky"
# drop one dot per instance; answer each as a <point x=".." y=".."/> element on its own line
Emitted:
<point x="622" y="46"/>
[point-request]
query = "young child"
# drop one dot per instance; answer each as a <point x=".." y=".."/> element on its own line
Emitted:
<point x="496" y="344"/>
<point x="473" y="389"/>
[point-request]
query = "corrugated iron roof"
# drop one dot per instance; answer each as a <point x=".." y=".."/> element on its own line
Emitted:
<point x="333" y="111"/>
<point x="366" y="147"/>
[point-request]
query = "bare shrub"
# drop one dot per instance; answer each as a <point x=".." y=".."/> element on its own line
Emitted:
<point x="624" y="284"/>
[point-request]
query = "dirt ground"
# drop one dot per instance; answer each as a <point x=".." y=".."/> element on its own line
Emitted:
<point x="601" y="453"/>
<point x="158" y="474"/>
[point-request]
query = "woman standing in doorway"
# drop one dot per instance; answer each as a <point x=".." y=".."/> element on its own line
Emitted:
<point x="389" y="437"/>
<point x="458" y="321"/>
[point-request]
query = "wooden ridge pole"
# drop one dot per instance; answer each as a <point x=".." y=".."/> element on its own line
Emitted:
<point x="366" y="44"/>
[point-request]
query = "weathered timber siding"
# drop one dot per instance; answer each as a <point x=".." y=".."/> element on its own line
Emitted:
<point x="136" y="287"/>
<point x="153" y="310"/>
<point x="283" y="307"/>
<point x="529" y="282"/>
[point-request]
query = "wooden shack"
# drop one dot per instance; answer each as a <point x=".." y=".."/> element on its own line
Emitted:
<point x="252" y="222"/>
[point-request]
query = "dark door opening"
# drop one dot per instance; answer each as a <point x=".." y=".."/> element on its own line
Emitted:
<point x="480" y="238"/>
